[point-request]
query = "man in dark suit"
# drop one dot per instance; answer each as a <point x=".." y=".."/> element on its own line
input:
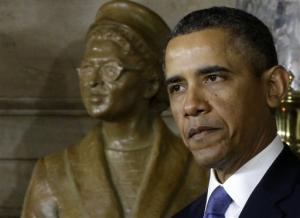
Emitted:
<point x="224" y="84"/>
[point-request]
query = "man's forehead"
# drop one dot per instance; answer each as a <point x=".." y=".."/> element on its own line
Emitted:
<point x="178" y="51"/>
<point x="220" y="32"/>
<point x="198" y="41"/>
<point x="183" y="58"/>
<point x="193" y="50"/>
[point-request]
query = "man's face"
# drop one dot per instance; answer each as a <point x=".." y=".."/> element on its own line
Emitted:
<point x="110" y="80"/>
<point x="217" y="101"/>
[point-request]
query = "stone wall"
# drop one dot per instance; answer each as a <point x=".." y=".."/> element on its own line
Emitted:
<point x="41" y="43"/>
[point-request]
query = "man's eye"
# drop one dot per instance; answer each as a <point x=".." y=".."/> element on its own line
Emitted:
<point x="213" y="78"/>
<point x="175" y="88"/>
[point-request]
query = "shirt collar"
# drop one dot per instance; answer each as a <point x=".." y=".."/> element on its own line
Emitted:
<point x="241" y="184"/>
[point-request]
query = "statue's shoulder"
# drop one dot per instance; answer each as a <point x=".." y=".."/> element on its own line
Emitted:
<point x="55" y="158"/>
<point x="88" y="142"/>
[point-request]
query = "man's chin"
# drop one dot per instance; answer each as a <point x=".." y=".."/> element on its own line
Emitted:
<point x="207" y="157"/>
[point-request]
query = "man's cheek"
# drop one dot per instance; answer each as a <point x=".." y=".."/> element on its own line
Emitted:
<point x="178" y="120"/>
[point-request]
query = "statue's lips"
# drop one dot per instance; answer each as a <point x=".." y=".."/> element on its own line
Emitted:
<point x="96" y="98"/>
<point x="201" y="131"/>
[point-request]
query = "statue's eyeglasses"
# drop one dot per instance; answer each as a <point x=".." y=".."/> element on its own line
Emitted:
<point x="109" y="72"/>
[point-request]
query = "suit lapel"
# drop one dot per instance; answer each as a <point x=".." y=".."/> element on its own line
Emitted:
<point x="197" y="209"/>
<point x="267" y="199"/>
<point x="194" y="209"/>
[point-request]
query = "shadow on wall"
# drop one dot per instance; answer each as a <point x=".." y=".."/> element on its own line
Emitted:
<point x="55" y="125"/>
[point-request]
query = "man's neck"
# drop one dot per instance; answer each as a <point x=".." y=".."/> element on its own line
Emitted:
<point x="222" y="174"/>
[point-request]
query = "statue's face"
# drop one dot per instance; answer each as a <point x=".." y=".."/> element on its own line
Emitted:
<point x="111" y="80"/>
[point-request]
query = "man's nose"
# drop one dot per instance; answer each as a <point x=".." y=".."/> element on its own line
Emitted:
<point x="195" y="103"/>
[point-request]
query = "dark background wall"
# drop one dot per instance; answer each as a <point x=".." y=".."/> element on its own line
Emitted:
<point x="41" y="43"/>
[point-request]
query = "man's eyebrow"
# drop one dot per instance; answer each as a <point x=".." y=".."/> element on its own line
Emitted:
<point x="173" y="79"/>
<point x="212" y="69"/>
<point x="203" y="71"/>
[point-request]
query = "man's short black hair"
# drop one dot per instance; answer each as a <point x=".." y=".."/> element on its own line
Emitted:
<point x="253" y="37"/>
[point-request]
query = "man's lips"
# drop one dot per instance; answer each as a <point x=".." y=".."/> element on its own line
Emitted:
<point x="201" y="129"/>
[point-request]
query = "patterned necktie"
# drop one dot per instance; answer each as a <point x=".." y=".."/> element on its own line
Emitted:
<point x="217" y="204"/>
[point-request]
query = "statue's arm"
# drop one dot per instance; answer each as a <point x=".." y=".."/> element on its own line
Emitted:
<point x="39" y="200"/>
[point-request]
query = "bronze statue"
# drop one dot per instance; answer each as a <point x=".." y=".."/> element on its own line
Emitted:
<point x="130" y="165"/>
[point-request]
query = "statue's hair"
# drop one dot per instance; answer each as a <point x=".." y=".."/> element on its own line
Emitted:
<point x="124" y="36"/>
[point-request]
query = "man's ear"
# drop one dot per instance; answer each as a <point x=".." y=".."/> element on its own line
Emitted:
<point x="277" y="85"/>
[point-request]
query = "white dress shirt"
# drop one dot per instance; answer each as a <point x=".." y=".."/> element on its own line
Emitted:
<point x="241" y="184"/>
